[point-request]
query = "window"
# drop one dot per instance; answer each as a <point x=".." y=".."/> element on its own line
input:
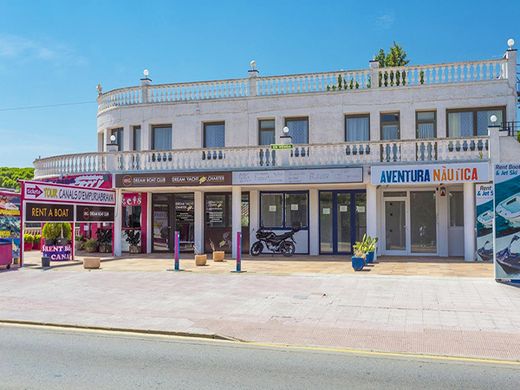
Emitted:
<point x="214" y="135"/>
<point x="161" y="137"/>
<point x="137" y="137"/>
<point x="298" y="130"/>
<point x="119" y="137"/>
<point x="284" y="210"/>
<point x="390" y="127"/>
<point x="218" y="210"/>
<point x="456" y="208"/>
<point x="426" y="125"/>
<point x="473" y="122"/>
<point x="295" y="210"/>
<point x="271" y="206"/>
<point x="266" y="132"/>
<point x="131" y="217"/>
<point x="357" y="128"/>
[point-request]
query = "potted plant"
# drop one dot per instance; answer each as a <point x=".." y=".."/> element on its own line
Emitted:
<point x="358" y="259"/>
<point x="91" y="245"/>
<point x="200" y="258"/>
<point x="27" y="242"/>
<point x="104" y="240"/>
<point x="370" y="249"/>
<point x="37" y="242"/>
<point x="80" y="243"/>
<point x="216" y="255"/>
<point x="133" y="237"/>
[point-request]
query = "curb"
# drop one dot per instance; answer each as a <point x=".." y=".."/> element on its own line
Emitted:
<point x="122" y="330"/>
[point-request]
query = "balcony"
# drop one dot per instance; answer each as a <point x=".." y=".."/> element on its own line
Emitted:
<point x="346" y="81"/>
<point x="263" y="157"/>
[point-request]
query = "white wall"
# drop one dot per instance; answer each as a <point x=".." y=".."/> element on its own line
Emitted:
<point x="326" y="112"/>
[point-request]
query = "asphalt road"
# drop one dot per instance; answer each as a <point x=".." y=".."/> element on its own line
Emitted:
<point x="34" y="358"/>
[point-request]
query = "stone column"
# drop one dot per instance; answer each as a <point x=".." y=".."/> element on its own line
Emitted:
<point x="199" y="221"/>
<point x="314" y="222"/>
<point x="149" y="227"/>
<point x="127" y="138"/>
<point x="236" y="212"/>
<point x="118" y="222"/>
<point x="372" y="213"/>
<point x="469" y="222"/>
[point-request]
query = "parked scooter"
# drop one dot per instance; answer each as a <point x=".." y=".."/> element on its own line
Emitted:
<point x="276" y="243"/>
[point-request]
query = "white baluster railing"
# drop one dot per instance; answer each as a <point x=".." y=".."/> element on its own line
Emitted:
<point x="416" y="75"/>
<point x="459" y="72"/>
<point x="263" y="157"/>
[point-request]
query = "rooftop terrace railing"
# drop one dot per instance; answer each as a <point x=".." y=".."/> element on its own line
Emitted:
<point x="398" y="77"/>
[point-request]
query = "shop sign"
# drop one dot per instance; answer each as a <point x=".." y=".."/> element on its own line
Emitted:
<point x="299" y="176"/>
<point x="48" y="212"/>
<point x="57" y="252"/>
<point x="173" y="179"/>
<point x="94" y="214"/>
<point x="484" y="223"/>
<point x="430" y="173"/>
<point x="281" y="146"/>
<point x="50" y="192"/>
<point x="132" y="199"/>
<point x="507" y="221"/>
<point x="10" y="220"/>
<point x="88" y="180"/>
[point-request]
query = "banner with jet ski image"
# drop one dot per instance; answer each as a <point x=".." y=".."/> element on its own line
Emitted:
<point x="507" y="221"/>
<point x="485" y="217"/>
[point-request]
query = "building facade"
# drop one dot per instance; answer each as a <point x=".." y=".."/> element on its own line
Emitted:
<point x="391" y="152"/>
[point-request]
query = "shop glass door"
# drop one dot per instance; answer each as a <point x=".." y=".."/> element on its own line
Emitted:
<point x="423" y="222"/>
<point x="395" y="225"/>
<point x="161" y="223"/>
<point x="342" y="220"/>
<point x="184" y="207"/>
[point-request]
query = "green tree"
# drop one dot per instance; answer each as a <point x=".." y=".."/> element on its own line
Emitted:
<point x="9" y="176"/>
<point x="396" y="56"/>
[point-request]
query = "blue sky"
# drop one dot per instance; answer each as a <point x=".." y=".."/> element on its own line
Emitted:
<point x="55" y="52"/>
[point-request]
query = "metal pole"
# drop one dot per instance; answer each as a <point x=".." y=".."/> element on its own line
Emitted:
<point x="176" y="250"/>
<point x="239" y="252"/>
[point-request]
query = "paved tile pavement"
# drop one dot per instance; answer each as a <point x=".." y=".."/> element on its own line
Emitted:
<point x="428" y="266"/>
<point x="417" y="314"/>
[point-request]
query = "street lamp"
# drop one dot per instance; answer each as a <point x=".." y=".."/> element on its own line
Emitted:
<point x="510" y="43"/>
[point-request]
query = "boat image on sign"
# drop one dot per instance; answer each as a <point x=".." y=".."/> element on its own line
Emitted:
<point x="486" y="219"/>
<point x="510" y="210"/>
<point x="508" y="258"/>
<point x="486" y="252"/>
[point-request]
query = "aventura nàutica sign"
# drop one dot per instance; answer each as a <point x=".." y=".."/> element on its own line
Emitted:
<point x="430" y="173"/>
<point x="48" y="192"/>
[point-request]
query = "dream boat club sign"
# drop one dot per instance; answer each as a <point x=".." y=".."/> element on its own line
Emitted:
<point x="430" y="174"/>
<point x="173" y="179"/>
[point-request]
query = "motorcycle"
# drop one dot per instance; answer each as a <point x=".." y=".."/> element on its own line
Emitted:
<point x="276" y="243"/>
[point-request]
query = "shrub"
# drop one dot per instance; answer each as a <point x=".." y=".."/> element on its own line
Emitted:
<point x="54" y="230"/>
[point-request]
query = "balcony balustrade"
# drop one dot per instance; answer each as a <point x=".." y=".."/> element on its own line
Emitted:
<point x="263" y="157"/>
<point x="398" y="77"/>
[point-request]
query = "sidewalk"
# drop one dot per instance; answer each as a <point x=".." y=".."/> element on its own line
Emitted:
<point x="447" y="316"/>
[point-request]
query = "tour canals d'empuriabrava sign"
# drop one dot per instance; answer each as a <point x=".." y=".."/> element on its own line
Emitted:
<point x="430" y="173"/>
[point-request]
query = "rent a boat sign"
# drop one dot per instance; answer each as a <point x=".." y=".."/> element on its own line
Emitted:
<point x="430" y="173"/>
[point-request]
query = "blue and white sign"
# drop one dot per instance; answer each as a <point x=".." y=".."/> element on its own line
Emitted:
<point x="430" y="173"/>
<point x="507" y="221"/>
<point x="484" y="195"/>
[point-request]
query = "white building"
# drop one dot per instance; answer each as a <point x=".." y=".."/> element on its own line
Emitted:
<point x="394" y="152"/>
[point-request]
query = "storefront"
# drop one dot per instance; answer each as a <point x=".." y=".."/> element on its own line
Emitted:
<point x="342" y="220"/>
<point x="428" y="210"/>
<point x="218" y="221"/>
